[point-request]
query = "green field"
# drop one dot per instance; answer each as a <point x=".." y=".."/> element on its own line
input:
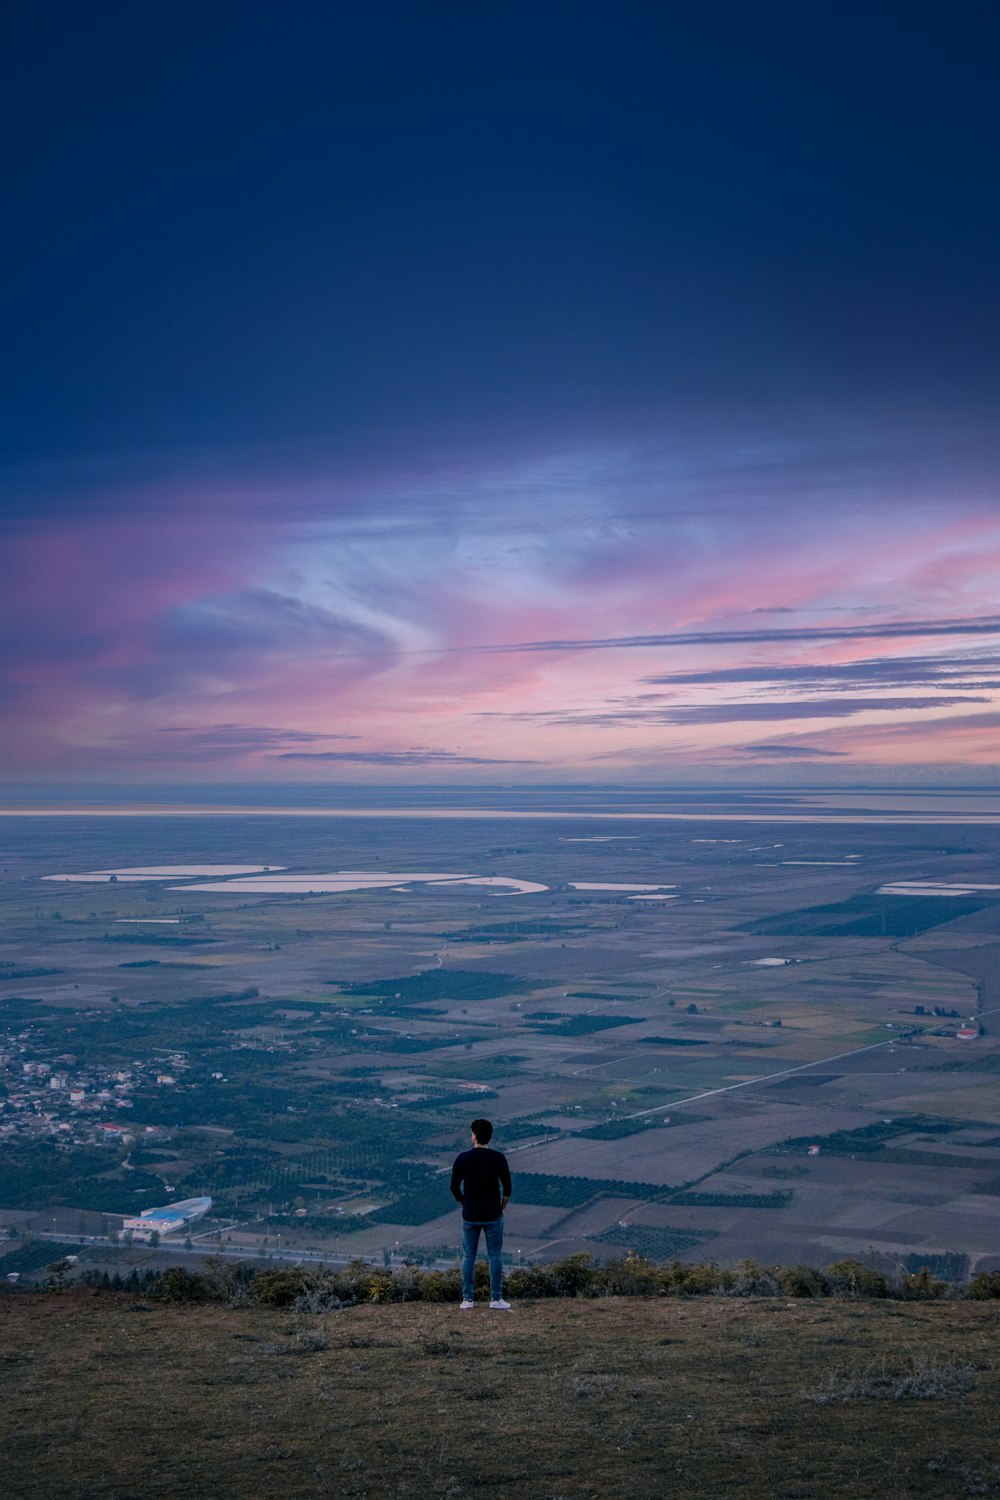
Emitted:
<point x="323" y="1058"/>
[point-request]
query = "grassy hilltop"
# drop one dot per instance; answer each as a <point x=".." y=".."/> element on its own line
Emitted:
<point x="111" y="1395"/>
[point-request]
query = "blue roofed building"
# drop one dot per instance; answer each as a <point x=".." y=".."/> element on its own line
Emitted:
<point x="172" y="1218"/>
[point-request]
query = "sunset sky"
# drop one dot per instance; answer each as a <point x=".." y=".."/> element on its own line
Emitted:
<point x="452" y="392"/>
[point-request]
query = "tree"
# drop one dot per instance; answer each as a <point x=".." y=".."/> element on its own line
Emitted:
<point x="58" y="1271"/>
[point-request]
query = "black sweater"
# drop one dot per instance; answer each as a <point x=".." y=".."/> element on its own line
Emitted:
<point x="478" y="1178"/>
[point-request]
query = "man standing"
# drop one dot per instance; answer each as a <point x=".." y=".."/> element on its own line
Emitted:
<point x="480" y="1180"/>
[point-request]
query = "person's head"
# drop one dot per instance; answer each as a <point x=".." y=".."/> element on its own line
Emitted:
<point x="482" y="1131"/>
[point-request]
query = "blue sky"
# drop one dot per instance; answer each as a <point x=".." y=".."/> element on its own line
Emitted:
<point x="548" y="392"/>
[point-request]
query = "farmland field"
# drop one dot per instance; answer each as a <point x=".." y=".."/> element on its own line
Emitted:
<point x="312" y="1057"/>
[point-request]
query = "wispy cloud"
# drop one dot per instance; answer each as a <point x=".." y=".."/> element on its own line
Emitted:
<point x="757" y="711"/>
<point x="901" y="671"/>
<point x="886" y="630"/>
<point x="400" y="758"/>
<point x="934" y="740"/>
<point x="236" y="739"/>
<point x="267" y="621"/>
<point x="788" y="752"/>
<point x="503" y="613"/>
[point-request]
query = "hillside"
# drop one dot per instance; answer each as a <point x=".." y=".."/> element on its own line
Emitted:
<point x="706" y="1398"/>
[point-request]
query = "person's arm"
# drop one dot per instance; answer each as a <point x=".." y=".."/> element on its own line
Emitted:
<point x="456" y="1181"/>
<point x="505" y="1184"/>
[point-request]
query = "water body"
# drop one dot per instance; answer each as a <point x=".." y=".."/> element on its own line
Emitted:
<point x="599" y="885"/>
<point x="942" y="806"/>
<point x="163" y="872"/>
<point x="257" y="878"/>
<point x="362" y="880"/>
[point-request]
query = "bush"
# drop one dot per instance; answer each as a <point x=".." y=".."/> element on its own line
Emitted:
<point x="318" y="1298"/>
<point x="531" y="1281"/>
<point x="178" y="1284"/>
<point x="321" y="1291"/>
<point x="632" y="1277"/>
<point x="920" y="1286"/>
<point x="679" y="1279"/>
<point x="278" y="1288"/>
<point x="852" y="1278"/>
<point x="440" y="1286"/>
<point x="929" y="1380"/>
<point x="574" y="1276"/>
<point x="227" y="1281"/>
<point x="407" y="1284"/>
<point x="360" y="1282"/>
<point x="382" y="1287"/>
<point x="803" y="1281"/>
<point x="750" y="1279"/>
<point x="925" y="1379"/>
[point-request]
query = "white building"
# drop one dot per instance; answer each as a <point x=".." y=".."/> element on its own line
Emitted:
<point x="170" y="1219"/>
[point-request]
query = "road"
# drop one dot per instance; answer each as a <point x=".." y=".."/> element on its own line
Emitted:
<point x="749" y="1083"/>
<point x="286" y="1257"/>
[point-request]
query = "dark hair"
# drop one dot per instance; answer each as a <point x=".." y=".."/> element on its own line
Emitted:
<point x="482" y="1130"/>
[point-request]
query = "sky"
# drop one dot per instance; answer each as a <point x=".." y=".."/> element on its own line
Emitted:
<point x="461" y="393"/>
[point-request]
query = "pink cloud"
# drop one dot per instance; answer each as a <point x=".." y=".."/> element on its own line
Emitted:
<point x="263" y="637"/>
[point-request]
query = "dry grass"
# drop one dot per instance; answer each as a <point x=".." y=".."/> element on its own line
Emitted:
<point x="701" y="1399"/>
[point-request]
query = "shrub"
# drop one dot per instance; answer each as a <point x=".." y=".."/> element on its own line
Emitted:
<point x="852" y="1278"/>
<point x="320" y="1291"/>
<point x="920" y="1286"/>
<point x="277" y="1288"/>
<point x="178" y="1284"/>
<point x="925" y="1379"/>
<point x="532" y="1281"/>
<point x="573" y="1276"/>
<point x="576" y="1276"/>
<point x="361" y="1282"/>
<point x="318" y="1298"/>
<point x="672" y="1276"/>
<point x="406" y="1284"/>
<point x="803" y="1281"/>
<point x="382" y="1287"/>
<point x="679" y="1279"/>
<point x="859" y="1383"/>
<point x="632" y="1277"/>
<point x="227" y="1282"/>
<point x="440" y="1286"/>
<point x="929" y="1380"/>
<point x="750" y="1279"/>
<point x="312" y="1340"/>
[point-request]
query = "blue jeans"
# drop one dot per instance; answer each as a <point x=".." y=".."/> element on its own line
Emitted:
<point x="470" y="1244"/>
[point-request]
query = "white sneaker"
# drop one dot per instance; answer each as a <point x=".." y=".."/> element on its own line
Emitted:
<point x="464" y="1306"/>
<point x="499" y="1305"/>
